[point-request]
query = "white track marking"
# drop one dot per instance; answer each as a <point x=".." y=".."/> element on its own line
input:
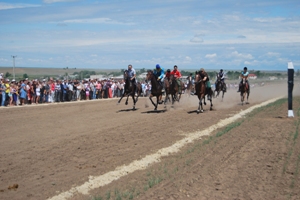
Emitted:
<point x="105" y="179"/>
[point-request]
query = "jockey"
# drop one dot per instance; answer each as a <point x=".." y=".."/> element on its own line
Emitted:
<point x="131" y="74"/>
<point x="221" y="75"/>
<point x="168" y="73"/>
<point x="177" y="76"/>
<point x="205" y="79"/>
<point x="159" y="73"/>
<point x="244" y="74"/>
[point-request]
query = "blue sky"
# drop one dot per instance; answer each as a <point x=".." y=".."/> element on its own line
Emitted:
<point x="259" y="34"/>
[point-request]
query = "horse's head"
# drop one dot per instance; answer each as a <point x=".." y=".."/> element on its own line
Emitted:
<point x="149" y="75"/>
<point x="125" y="74"/>
<point x="244" y="81"/>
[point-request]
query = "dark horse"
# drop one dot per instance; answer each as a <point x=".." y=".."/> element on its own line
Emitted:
<point x="219" y="87"/>
<point x="245" y="90"/>
<point x="156" y="88"/>
<point x="130" y="89"/>
<point x="172" y="88"/>
<point x="201" y="92"/>
<point x="190" y="86"/>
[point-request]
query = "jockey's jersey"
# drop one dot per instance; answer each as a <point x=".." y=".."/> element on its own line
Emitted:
<point x="131" y="73"/>
<point x="221" y="75"/>
<point x="159" y="73"/>
<point x="203" y="75"/>
<point x="168" y="75"/>
<point x="176" y="73"/>
<point x="245" y="74"/>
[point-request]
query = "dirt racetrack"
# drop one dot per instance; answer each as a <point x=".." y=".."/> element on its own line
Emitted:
<point x="48" y="150"/>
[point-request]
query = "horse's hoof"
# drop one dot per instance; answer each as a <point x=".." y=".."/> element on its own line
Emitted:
<point x="201" y="111"/>
<point x="210" y="109"/>
<point x="126" y="103"/>
<point x="198" y="111"/>
<point x="204" y="103"/>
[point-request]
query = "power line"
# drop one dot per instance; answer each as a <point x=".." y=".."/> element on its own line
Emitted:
<point x="14" y="66"/>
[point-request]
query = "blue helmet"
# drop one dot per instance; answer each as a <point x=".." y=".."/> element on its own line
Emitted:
<point x="157" y="66"/>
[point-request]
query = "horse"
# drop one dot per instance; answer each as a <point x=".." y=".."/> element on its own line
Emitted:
<point x="219" y="87"/>
<point x="245" y="90"/>
<point x="171" y="88"/>
<point x="201" y="92"/>
<point x="156" y="88"/>
<point x="130" y="90"/>
<point x="190" y="86"/>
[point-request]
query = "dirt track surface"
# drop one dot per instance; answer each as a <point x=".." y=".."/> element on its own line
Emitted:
<point x="49" y="149"/>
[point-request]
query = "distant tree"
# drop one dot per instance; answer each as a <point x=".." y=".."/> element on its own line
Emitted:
<point x="25" y="76"/>
<point x="142" y="70"/>
<point x="258" y="74"/>
<point x="7" y="74"/>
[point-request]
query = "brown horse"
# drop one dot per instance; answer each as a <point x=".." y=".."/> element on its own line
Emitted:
<point x="172" y="88"/>
<point x="245" y="90"/>
<point x="201" y="92"/>
<point x="156" y="88"/>
<point x="219" y="87"/>
<point x="130" y="90"/>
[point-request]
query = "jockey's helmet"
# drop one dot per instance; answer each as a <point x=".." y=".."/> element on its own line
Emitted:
<point x="157" y="66"/>
<point x="201" y="70"/>
<point x="245" y="68"/>
<point x="175" y="66"/>
<point x="168" y="70"/>
<point x="221" y="70"/>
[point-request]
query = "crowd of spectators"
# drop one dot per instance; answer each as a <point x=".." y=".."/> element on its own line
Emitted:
<point x="28" y="92"/>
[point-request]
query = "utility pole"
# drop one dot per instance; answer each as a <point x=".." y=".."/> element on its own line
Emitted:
<point x="14" y="66"/>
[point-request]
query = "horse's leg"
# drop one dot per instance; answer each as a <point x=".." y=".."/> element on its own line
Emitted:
<point x="211" y="104"/>
<point x="200" y="107"/>
<point x="242" y="98"/>
<point x="126" y="103"/>
<point x="134" y="101"/>
<point x="247" y="97"/>
<point x="120" y="98"/>
<point x="150" y="97"/>
<point x="157" y="101"/>
<point x="222" y="95"/>
<point x="179" y="97"/>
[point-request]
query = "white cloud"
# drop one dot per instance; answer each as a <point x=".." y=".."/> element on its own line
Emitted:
<point x="6" y="6"/>
<point x="196" y="39"/>
<point x="58" y="1"/>
<point x="264" y="20"/>
<point x="187" y="58"/>
<point x="210" y="56"/>
<point x="94" y="21"/>
<point x="240" y="55"/>
<point x="273" y="54"/>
